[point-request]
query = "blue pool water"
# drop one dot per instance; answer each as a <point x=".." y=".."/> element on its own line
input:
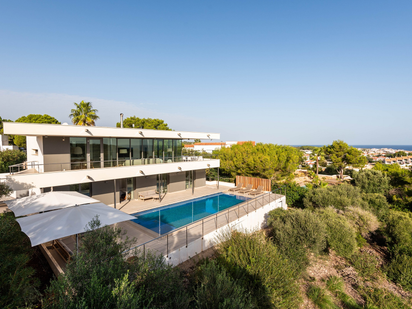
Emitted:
<point x="170" y="217"/>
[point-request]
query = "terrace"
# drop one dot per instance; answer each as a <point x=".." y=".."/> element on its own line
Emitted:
<point x="187" y="237"/>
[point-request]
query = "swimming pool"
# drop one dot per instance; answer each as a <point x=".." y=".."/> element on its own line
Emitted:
<point x="170" y="217"/>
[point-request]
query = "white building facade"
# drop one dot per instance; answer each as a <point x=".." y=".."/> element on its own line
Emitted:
<point x="109" y="164"/>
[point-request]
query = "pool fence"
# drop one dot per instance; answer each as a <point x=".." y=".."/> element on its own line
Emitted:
<point x="181" y="244"/>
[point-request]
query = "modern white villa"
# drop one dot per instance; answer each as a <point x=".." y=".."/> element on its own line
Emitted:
<point x="161" y="197"/>
<point x="108" y="164"/>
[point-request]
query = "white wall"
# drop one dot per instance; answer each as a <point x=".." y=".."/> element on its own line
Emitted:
<point x="34" y="143"/>
<point x="206" y="148"/>
<point x="52" y="179"/>
<point x="251" y="222"/>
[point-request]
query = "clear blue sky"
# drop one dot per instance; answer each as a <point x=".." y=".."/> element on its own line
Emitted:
<point x="286" y="72"/>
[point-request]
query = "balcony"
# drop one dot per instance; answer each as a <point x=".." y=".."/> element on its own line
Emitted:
<point x="36" y="167"/>
<point x="35" y="175"/>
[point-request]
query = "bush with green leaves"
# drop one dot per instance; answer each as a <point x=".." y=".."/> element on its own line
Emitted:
<point x="11" y="157"/>
<point x="320" y="297"/>
<point x="336" y="286"/>
<point x="371" y="181"/>
<point x="100" y="277"/>
<point x="362" y="220"/>
<point x="365" y="264"/>
<point x="341" y="236"/>
<point x="256" y="263"/>
<point x="399" y="270"/>
<point x="18" y="285"/>
<point x="377" y="203"/>
<point x="340" y="197"/>
<point x="217" y="289"/>
<point x="399" y="176"/>
<point x="398" y="231"/>
<point x="294" y="193"/>
<point x="297" y="232"/>
<point x="376" y="298"/>
<point x="4" y="190"/>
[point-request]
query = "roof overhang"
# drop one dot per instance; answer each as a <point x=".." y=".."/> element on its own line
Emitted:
<point x="40" y="129"/>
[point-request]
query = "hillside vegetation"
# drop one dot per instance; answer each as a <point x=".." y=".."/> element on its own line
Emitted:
<point x="342" y="246"/>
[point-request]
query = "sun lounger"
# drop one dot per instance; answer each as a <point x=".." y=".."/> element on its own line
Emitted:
<point x="246" y="190"/>
<point x="237" y="188"/>
<point x="61" y="248"/>
<point x="257" y="191"/>
<point x="145" y="195"/>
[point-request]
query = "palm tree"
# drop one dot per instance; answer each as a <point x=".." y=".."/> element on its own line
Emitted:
<point x="319" y="153"/>
<point x="84" y="114"/>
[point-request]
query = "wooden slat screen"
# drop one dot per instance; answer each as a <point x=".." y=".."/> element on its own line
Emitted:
<point x="255" y="182"/>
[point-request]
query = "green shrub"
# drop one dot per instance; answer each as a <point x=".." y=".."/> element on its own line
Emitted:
<point x="18" y="287"/>
<point x="258" y="266"/>
<point x="10" y="157"/>
<point x="320" y="298"/>
<point x="160" y="283"/>
<point x="365" y="264"/>
<point x="341" y="236"/>
<point x="100" y="277"/>
<point x="336" y="286"/>
<point x="217" y="289"/>
<point x="371" y="181"/>
<point x="4" y="190"/>
<point x="294" y="193"/>
<point x="340" y="197"/>
<point x="398" y="231"/>
<point x="295" y="232"/>
<point x="399" y="270"/>
<point x="381" y="299"/>
<point x="362" y="220"/>
<point x="360" y="240"/>
<point x="377" y="203"/>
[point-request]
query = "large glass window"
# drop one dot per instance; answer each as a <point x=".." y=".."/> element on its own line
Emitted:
<point x="168" y="149"/>
<point x="109" y="151"/>
<point x="83" y="188"/>
<point x="78" y="153"/>
<point x="177" y="149"/>
<point x="148" y="150"/>
<point x="123" y="151"/>
<point x="94" y="148"/>
<point x="136" y="151"/>
<point x="158" y="147"/>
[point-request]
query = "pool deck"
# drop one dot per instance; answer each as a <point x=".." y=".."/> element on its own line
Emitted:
<point x="132" y="229"/>
<point x="134" y="206"/>
<point x="143" y="234"/>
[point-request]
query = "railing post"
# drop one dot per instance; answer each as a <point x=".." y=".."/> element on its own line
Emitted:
<point x="216" y="221"/>
<point x="144" y="251"/>
<point x="167" y="245"/>
<point x="186" y="236"/>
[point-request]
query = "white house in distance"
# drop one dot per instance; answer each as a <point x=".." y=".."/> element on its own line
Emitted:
<point x="209" y="147"/>
<point x="108" y="164"/>
<point x="4" y="145"/>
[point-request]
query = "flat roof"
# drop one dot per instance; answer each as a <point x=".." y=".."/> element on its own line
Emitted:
<point x="45" y="129"/>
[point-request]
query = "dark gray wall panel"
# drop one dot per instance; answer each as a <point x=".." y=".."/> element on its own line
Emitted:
<point x="145" y="183"/>
<point x="176" y="182"/>
<point x="103" y="191"/>
<point x="200" y="178"/>
<point x="56" y="145"/>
